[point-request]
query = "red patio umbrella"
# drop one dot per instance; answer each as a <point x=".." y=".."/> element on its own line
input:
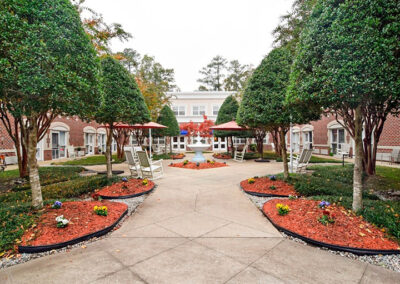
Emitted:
<point x="150" y="125"/>
<point x="231" y="125"/>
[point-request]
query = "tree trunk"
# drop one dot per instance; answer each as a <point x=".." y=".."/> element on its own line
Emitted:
<point x="109" y="152"/>
<point x="358" y="162"/>
<point x="275" y="139"/>
<point x="284" y="154"/>
<point x="170" y="145"/>
<point x="34" y="180"/>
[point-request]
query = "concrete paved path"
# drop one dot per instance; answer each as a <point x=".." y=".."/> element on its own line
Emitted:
<point x="198" y="227"/>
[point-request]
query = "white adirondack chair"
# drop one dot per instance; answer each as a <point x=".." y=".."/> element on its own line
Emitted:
<point x="344" y="150"/>
<point x="302" y="160"/>
<point x="133" y="162"/>
<point x="71" y="152"/>
<point x="150" y="169"/>
<point x="395" y="156"/>
<point x="239" y="155"/>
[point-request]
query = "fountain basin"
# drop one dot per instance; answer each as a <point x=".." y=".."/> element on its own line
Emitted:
<point x="198" y="150"/>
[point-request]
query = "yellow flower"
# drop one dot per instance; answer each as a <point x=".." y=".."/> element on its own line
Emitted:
<point x="95" y="208"/>
<point x="279" y="205"/>
<point x="104" y="208"/>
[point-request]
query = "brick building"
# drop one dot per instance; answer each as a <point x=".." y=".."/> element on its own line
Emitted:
<point x="70" y="135"/>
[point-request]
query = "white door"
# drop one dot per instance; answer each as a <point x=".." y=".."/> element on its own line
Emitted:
<point x="89" y="139"/>
<point x="39" y="150"/>
<point x="179" y="143"/>
<point x="219" y="144"/>
<point x="296" y="142"/>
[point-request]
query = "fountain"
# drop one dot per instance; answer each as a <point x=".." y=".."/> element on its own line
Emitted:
<point x="199" y="148"/>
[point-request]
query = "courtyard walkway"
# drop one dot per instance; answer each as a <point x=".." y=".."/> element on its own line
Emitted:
<point x="198" y="227"/>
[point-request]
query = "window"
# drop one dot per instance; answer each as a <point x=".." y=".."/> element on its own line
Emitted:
<point x="199" y="110"/>
<point x="158" y="140"/>
<point x="101" y="142"/>
<point x="239" y="140"/>
<point x="219" y="143"/>
<point x="308" y="139"/>
<point x="337" y="139"/>
<point x="215" y="110"/>
<point x="179" y="110"/>
<point x="58" y="143"/>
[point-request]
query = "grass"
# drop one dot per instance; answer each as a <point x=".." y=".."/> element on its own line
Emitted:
<point x="90" y="161"/>
<point x="273" y="156"/>
<point x="167" y="156"/>
<point x="58" y="183"/>
<point x="335" y="184"/>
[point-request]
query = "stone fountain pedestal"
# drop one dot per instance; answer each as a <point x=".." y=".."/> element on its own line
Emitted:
<point x="198" y="149"/>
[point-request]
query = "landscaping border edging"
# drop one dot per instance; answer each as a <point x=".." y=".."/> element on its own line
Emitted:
<point x="37" y="249"/>
<point x="128" y="196"/>
<point x="357" y="251"/>
<point x="264" y="194"/>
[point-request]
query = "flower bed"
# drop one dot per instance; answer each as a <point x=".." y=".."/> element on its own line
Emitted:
<point x="266" y="187"/>
<point x="330" y="226"/>
<point x="83" y="224"/>
<point x="127" y="188"/>
<point x="198" y="166"/>
<point x="222" y="156"/>
<point x="178" y="156"/>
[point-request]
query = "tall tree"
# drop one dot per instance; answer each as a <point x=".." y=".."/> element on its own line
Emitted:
<point x="167" y="118"/>
<point x="227" y="112"/>
<point x="348" y="61"/>
<point x="130" y="58"/>
<point x="99" y="32"/>
<point x="48" y="67"/>
<point x="122" y="101"/>
<point x="237" y="77"/>
<point x="288" y="32"/>
<point x="213" y="75"/>
<point x="154" y="82"/>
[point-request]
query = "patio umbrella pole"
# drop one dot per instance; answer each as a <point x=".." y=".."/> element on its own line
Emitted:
<point x="150" y="142"/>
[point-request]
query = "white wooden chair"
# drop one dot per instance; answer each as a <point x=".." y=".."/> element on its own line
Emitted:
<point x="395" y="156"/>
<point x="133" y="162"/>
<point x="344" y="150"/>
<point x="239" y="155"/>
<point x="302" y="160"/>
<point x="157" y="149"/>
<point x="150" y="169"/>
<point x="71" y="152"/>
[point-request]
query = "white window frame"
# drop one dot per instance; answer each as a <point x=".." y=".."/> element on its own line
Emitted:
<point x="335" y="145"/>
<point x="220" y="144"/>
<point x="213" y="110"/>
<point x="202" y="110"/>
<point x="239" y="140"/>
<point x="179" y="110"/>
<point x="177" y="143"/>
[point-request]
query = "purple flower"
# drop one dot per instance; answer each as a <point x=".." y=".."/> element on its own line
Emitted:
<point x="124" y="179"/>
<point x="272" y="177"/>
<point x="324" y="204"/>
<point x="57" y="205"/>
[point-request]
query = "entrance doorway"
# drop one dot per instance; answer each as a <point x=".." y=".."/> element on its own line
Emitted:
<point x="58" y="143"/>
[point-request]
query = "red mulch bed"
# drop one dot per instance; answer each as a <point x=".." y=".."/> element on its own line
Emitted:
<point x="178" y="156"/>
<point x="83" y="221"/>
<point x="348" y="230"/>
<point x="222" y="156"/>
<point x="134" y="186"/>
<point x="202" y="166"/>
<point x="262" y="184"/>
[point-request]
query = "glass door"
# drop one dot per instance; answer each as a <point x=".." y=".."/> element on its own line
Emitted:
<point x="219" y="143"/>
<point x="179" y="143"/>
<point x="54" y="145"/>
<point x="296" y="142"/>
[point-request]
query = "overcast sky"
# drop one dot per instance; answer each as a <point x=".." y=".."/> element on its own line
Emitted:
<point x="186" y="34"/>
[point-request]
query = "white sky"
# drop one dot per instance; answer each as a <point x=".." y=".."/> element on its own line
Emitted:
<point x="186" y="34"/>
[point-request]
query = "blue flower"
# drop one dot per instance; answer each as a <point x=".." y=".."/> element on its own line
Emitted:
<point x="324" y="204"/>
<point x="124" y="179"/>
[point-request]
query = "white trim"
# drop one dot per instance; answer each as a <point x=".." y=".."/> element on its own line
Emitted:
<point x="89" y="129"/>
<point x="8" y="151"/>
<point x="335" y="125"/>
<point x="59" y="126"/>
<point x="389" y="147"/>
<point x="209" y="95"/>
<point x="101" y="131"/>
<point x="307" y="128"/>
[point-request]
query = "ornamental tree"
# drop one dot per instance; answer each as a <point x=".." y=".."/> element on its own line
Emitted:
<point x="348" y="61"/>
<point x="227" y="112"/>
<point x="122" y="101"/>
<point x="48" y="67"/>
<point x="167" y="118"/>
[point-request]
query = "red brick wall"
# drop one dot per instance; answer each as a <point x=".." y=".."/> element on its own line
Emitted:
<point x="5" y="140"/>
<point x="391" y="132"/>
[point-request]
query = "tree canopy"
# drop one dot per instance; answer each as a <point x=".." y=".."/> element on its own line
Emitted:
<point x="167" y="118"/>
<point x="226" y="113"/>
<point x="237" y="77"/>
<point x="213" y="75"/>
<point x="348" y="61"/>
<point x="48" y="67"/>
<point x="122" y="101"/>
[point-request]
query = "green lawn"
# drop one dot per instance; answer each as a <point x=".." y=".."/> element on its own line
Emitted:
<point x="58" y="183"/>
<point x="334" y="184"/>
<point x="167" y="156"/>
<point x="273" y="156"/>
<point x="90" y="161"/>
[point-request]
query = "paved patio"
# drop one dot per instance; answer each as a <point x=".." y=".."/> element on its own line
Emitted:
<point x="198" y="227"/>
